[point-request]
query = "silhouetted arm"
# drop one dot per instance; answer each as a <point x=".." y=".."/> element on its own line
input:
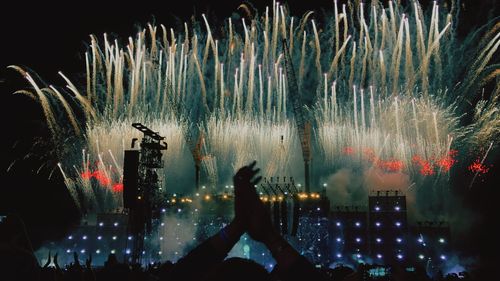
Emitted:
<point x="199" y="261"/>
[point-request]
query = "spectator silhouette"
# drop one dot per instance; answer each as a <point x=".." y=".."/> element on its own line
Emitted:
<point x="252" y="217"/>
<point x="17" y="261"/>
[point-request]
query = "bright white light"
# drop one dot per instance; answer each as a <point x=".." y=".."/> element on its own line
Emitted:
<point x="399" y="240"/>
<point x="441" y="240"/>
<point x="127" y="251"/>
<point x="338" y="239"/>
<point x="115" y="224"/>
<point x="99" y="237"/>
<point x="162" y="224"/>
<point x="377" y="224"/>
<point x="163" y="210"/>
<point x="114" y="237"/>
<point x="358" y="224"/>
<point x="97" y="251"/>
<point x="101" y="224"/>
<point x="398" y="224"/>
<point x="358" y="255"/>
<point x="421" y="256"/>
<point x="420" y="240"/>
<point x="318" y="209"/>
<point x="130" y="238"/>
<point x="161" y="238"/>
<point x="400" y="256"/>
<point x="159" y="253"/>
<point x="338" y="224"/>
<point x="84" y="237"/>
<point x="82" y="251"/>
<point x="378" y="240"/>
<point x="397" y="208"/>
<point x="358" y="239"/>
<point x="379" y="256"/>
<point x="377" y="208"/>
<point x="68" y="251"/>
<point x="70" y="237"/>
<point x="443" y="257"/>
<point x="113" y="251"/>
<point x="339" y="255"/>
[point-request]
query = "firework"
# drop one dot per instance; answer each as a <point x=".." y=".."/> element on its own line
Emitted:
<point x="383" y="90"/>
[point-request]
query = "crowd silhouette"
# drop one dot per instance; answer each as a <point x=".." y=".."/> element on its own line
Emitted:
<point x="206" y="262"/>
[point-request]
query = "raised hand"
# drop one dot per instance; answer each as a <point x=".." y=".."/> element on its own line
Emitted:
<point x="75" y="258"/>
<point x="244" y="182"/>
<point x="55" y="261"/>
<point x="88" y="262"/>
<point x="48" y="262"/>
<point x="256" y="218"/>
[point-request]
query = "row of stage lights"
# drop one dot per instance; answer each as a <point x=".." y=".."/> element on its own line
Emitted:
<point x="207" y="197"/>
<point x="399" y="256"/>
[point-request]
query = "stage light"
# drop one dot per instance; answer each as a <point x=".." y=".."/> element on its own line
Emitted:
<point x="101" y="224"/>
<point x="68" y="251"/>
<point x="378" y="240"/>
<point x="115" y="224"/>
<point x="399" y="256"/>
<point x="339" y="255"/>
<point x="398" y="224"/>
<point x="70" y="237"/>
<point x="358" y="240"/>
<point x="99" y="237"/>
<point x="338" y="239"/>
<point x="84" y="237"/>
<point x="358" y="255"/>
<point x="443" y="257"/>
<point x="338" y="224"/>
<point x="358" y="224"/>
<point x="377" y="208"/>
<point x="397" y="208"/>
<point x="114" y="237"/>
<point x="82" y="251"/>
<point x="377" y="224"/>
<point x="379" y="256"/>
<point x="113" y="251"/>
<point x="441" y="240"/>
<point x="421" y="256"/>
<point x="399" y="240"/>
<point x="420" y="240"/>
<point x="97" y="251"/>
<point x="127" y="251"/>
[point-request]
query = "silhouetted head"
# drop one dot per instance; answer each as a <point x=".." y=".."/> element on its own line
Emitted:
<point x="112" y="260"/>
<point x="238" y="269"/>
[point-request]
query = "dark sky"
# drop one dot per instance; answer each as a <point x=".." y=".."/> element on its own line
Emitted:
<point x="51" y="37"/>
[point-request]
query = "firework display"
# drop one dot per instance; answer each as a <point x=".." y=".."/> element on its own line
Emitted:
<point x="382" y="87"/>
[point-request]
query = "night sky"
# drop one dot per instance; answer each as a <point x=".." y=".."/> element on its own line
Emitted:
<point x="52" y="37"/>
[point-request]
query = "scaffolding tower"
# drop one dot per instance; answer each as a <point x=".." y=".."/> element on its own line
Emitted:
<point x="142" y="187"/>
